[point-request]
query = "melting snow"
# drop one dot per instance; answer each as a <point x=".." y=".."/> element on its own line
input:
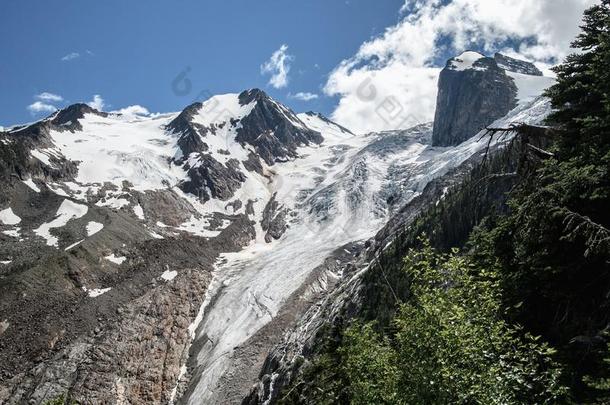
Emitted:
<point x="96" y="292"/>
<point x="116" y="259"/>
<point x="31" y="185"/>
<point x="67" y="210"/>
<point x="529" y="86"/>
<point x="94" y="227"/>
<point x="138" y="211"/>
<point x="8" y="217"/>
<point x="13" y="232"/>
<point x="169" y="275"/>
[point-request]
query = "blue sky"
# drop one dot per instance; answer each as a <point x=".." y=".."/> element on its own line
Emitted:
<point x="131" y="51"/>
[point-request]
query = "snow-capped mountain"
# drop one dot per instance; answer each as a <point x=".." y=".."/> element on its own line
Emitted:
<point x="157" y="259"/>
<point x="474" y="90"/>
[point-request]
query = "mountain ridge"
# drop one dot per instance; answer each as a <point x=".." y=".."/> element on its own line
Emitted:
<point x="199" y="228"/>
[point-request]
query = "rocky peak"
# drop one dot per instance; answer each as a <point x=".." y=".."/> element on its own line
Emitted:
<point x="68" y="118"/>
<point x="248" y="96"/>
<point x="191" y="133"/>
<point x="323" y="118"/>
<point x="516" y="65"/>
<point x="473" y="91"/>
<point x="274" y="130"/>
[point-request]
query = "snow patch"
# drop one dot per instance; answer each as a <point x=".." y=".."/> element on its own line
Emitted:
<point x="466" y="61"/>
<point x="96" y="292"/>
<point x="13" y="233"/>
<point x="137" y="209"/>
<point x="529" y="87"/>
<point x="169" y="275"/>
<point x="156" y="235"/>
<point x="115" y="259"/>
<point x="93" y="228"/>
<point x="67" y="210"/>
<point x="8" y="217"/>
<point x="113" y="202"/>
<point x="44" y="156"/>
<point x="31" y="185"/>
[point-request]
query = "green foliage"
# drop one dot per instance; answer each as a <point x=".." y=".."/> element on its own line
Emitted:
<point x="601" y="384"/>
<point x="448" y="344"/>
<point x="553" y="248"/>
<point x="582" y="93"/>
<point x="479" y="328"/>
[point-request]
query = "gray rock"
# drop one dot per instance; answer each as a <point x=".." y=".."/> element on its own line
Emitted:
<point x="274" y="130"/>
<point x="212" y="179"/>
<point x="469" y="100"/>
<point x="274" y="220"/>
<point x="517" y="66"/>
<point x="190" y="133"/>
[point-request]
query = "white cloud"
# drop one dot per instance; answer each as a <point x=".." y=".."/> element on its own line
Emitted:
<point x="39" y="107"/>
<point x="70" y="56"/>
<point x="278" y="66"/>
<point x="303" y="96"/>
<point x="133" y="111"/>
<point x="45" y="96"/>
<point x="97" y="102"/>
<point x="391" y="81"/>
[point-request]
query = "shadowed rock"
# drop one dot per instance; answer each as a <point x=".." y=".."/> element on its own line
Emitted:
<point x="470" y="97"/>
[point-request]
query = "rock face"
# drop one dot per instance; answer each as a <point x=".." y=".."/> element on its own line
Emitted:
<point x="269" y="131"/>
<point x="111" y="229"/>
<point x="274" y="130"/>
<point x="209" y="178"/>
<point x="516" y="65"/>
<point x="473" y="91"/>
<point x="114" y="234"/>
<point x="190" y="133"/>
<point x="274" y="220"/>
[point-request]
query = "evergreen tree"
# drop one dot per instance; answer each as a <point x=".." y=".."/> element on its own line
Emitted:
<point x="582" y="93"/>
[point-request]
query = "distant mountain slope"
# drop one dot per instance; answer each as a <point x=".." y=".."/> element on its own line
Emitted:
<point x="157" y="259"/>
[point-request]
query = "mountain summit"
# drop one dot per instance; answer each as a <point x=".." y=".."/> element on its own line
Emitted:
<point x="155" y="257"/>
<point x="474" y="90"/>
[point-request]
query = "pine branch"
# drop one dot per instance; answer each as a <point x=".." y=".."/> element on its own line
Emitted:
<point x="579" y="225"/>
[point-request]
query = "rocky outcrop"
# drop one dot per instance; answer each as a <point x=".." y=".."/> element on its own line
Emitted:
<point x="68" y="118"/>
<point x="209" y="178"/>
<point x="517" y="66"/>
<point x="473" y="91"/>
<point x="274" y="130"/>
<point x="190" y="133"/>
<point x="16" y="147"/>
<point x="127" y="344"/>
<point x="274" y="219"/>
